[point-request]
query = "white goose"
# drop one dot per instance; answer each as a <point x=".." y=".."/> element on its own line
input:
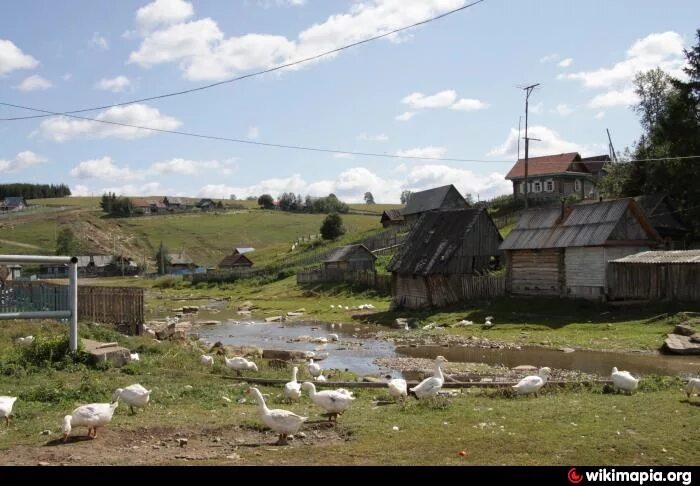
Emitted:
<point x="692" y="387"/>
<point x="292" y="389"/>
<point x="6" y="404"/>
<point x="91" y="416"/>
<point x="532" y="384"/>
<point x="207" y="360"/>
<point x="314" y="368"/>
<point x="430" y="386"/>
<point x="623" y="380"/>
<point x="281" y="421"/>
<point x="397" y="387"/>
<point x="320" y="378"/>
<point x="334" y="402"/>
<point x="239" y="363"/>
<point x="133" y="395"/>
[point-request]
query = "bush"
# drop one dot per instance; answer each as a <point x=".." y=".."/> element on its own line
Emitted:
<point x="51" y="352"/>
<point x="332" y="227"/>
<point x="167" y="282"/>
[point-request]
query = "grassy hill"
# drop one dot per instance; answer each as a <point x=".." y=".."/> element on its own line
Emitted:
<point x="205" y="237"/>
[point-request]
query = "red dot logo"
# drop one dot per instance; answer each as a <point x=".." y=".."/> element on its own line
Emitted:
<point x="574" y="477"/>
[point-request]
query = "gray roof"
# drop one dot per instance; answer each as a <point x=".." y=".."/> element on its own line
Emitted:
<point x="428" y="200"/>
<point x="14" y="200"/>
<point x="686" y="256"/>
<point x="659" y="211"/>
<point x="175" y="200"/>
<point x="180" y="258"/>
<point x="433" y="241"/>
<point x="342" y="253"/>
<point x="393" y="214"/>
<point x="587" y="224"/>
<point x="243" y="250"/>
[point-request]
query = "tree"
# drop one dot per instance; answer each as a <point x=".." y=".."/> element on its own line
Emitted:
<point x="288" y="201"/>
<point x="405" y="196"/>
<point x="369" y="198"/>
<point x="219" y="205"/>
<point x="162" y="260"/>
<point x="67" y="243"/>
<point x="332" y="227"/>
<point x="266" y="202"/>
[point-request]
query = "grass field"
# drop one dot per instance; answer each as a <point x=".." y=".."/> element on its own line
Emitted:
<point x="580" y="425"/>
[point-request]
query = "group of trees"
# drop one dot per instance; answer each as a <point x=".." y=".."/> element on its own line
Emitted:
<point x="67" y="243"/>
<point x="116" y="205"/>
<point x="34" y="191"/>
<point x="288" y="201"/>
<point x="669" y="111"/>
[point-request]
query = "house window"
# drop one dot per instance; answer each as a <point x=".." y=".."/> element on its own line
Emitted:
<point x="537" y="186"/>
<point x="522" y="187"/>
<point x="577" y="185"/>
<point x="549" y="186"/>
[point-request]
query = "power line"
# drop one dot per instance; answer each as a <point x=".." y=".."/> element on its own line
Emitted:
<point x="258" y="73"/>
<point x="252" y="142"/>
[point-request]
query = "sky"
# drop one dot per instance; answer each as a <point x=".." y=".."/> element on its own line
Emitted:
<point x="447" y="89"/>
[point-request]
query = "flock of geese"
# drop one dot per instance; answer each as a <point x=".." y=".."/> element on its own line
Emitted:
<point x="285" y="422"/>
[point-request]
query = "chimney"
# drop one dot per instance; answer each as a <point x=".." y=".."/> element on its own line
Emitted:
<point x="563" y="210"/>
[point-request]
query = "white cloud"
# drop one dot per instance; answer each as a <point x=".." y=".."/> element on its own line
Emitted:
<point x="549" y="58"/>
<point x="563" y="109"/>
<point x="147" y="189"/>
<point x="405" y="116"/>
<point x="466" y="104"/>
<point x="192" y="167"/>
<point x="104" y="168"/>
<point x="67" y="77"/>
<point x="34" y="83"/>
<point x="342" y="156"/>
<point x="253" y="133"/>
<point x="80" y="190"/>
<point x="380" y="137"/>
<point x="61" y="128"/>
<point x="428" y="152"/>
<point x="565" y="62"/>
<point x="442" y="99"/>
<point x="99" y="42"/>
<point x="537" y="109"/>
<point x="115" y="85"/>
<point x="163" y="12"/>
<point x="664" y="50"/>
<point x="623" y="97"/>
<point x="22" y="160"/>
<point x="600" y="115"/>
<point x="466" y="181"/>
<point x="203" y="52"/>
<point x="12" y="58"/>
<point x="280" y="3"/>
<point x="550" y="143"/>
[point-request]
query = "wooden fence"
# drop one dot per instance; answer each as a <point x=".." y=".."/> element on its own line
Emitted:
<point x="440" y="290"/>
<point x="654" y="281"/>
<point x="480" y="287"/>
<point x="381" y="283"/>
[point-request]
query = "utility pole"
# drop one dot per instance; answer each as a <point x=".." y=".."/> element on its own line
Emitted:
<point x="610" y="146"/>
<point x="528" y="91"/>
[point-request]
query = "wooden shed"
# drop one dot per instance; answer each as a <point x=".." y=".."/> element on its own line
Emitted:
<point x="350" y="258"/>
<point x="392" y="217"/>
<point x="235" y="260"/>
<point x="441" y="247"/>
<point x="564" y="252"/>
<point x="437" y="198"/>
<point x="656" y="275"/>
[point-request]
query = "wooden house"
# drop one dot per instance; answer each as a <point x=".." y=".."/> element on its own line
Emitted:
<point x="149" y="207"/>
<point x="662" y="216"/>
<point x="442" y="247"/>
<point x="179" y="263"/>
<point x="206" y="204"/>
<point x="350" y="258"/>
<point x="419" y="203"/>
<point x="392" y="217"/>
<point x="93" y="266"/>
<point x="235" y="260"/>
<point x="564" y="252"/>
<point x="175" y="204"/>
<point x="13" y="203"/>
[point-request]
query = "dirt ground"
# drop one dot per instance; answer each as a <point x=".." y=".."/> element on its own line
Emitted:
<point x="160" y="445"/>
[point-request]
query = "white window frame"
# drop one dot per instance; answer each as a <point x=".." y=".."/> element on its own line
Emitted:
<point x="521" y="186"/>
<point x="549" y="185"/>
<point x="537" y="186"/>
<point x="577" y="185"/>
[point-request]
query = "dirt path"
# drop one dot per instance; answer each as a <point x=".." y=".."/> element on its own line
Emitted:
<point x="21" y="245"/>
<point x="159" y="445"/>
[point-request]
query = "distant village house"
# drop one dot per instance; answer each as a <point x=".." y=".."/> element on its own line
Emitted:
<point x="93" y="266"/>
<point x="419" y="203"/>
<point x="148" y="207"/>
<point x="350" y="258"/>
<point x="179" y="263"/>
<point x="237" y="259"/>
<point x="13" y="203"/>
<point x="392" y="217"/>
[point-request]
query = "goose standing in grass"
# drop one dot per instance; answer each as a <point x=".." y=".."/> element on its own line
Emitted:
<point x="207" y="360"/>
<point x="430" y="386"/>
<point x="693" y="386"/>
<point x="292" y="389"/>
<point x="6" y="404"/>
<point x="134" y="357"/>
<point x="239" y="363"/>
<point x="334" y="402"/>
<point x="133" y="395"/>
<point x="397" y="388"/>
<point x="281" y="421"/>
<point x="320" y="378"/>
<point x="314" y="369"/>
<point x="91" y="416"/>
<point x="532" y="384"/>
<point x="623" y="380"/>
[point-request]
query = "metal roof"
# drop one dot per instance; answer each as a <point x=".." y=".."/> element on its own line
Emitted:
<point x="587" y="224"/>
<point x="685" y="256"/>
<point x="243" y="250"/>
<point x="342" y="253"/>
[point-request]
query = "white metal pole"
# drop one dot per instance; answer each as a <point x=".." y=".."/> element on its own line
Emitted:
<point x="73" y="305"/>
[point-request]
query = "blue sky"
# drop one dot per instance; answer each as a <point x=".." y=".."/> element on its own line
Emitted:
<point x="446" y="89"/>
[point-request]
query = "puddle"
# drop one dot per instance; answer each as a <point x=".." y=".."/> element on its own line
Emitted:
<point x="598" y="362"/>
<point x="354" y="353"/>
